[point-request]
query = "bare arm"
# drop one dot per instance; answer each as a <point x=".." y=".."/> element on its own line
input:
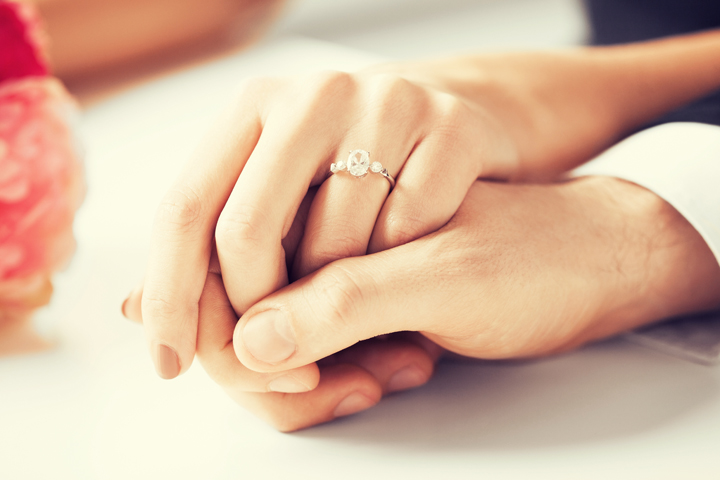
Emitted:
<point x="88" y="36"/>
<point x="564" y="107"/>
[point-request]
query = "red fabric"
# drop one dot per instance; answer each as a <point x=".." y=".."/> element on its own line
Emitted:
<point x="20" y="50"/>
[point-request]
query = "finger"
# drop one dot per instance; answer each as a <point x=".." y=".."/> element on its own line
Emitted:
<point x="131" y="307"/>
<point x="217" y="321"/>
<point x="344" y="213"/>
<point x="182" y="239"/>
<point x="267" y="195"/>
<point x="428" y="193"/>
<point x="291" y="242"/>
<point x="353" y="383"/>
<point x="215" y="329"/>
<point x="396" y="363"/>
<point x="434" y="351"/>
<point x="347" y="301"/>
<point x="343" y="390"/>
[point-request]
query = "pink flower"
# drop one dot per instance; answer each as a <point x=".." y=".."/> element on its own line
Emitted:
<point x="41" y="187"/>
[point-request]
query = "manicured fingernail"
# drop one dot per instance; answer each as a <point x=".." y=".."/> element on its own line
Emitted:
<point x="353" y="403"/>
<point x="167" y="363"/>
<point x="408" y="377"/>
<point x="268" y="337"/>
<point x="287" y="384"/>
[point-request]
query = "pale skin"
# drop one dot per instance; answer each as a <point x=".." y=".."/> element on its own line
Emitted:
<point x="520" y="271"/>
<point x="438" y="126"/>
<point x="99" y="46"/>
<point x="256" y="195"/>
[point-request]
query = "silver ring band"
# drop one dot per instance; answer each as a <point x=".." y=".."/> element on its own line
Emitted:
<point x="358" y="165"/>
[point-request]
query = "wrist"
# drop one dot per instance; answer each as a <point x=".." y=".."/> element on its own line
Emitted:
<point x="657" y="265"/>
<point x="562" y="108"/>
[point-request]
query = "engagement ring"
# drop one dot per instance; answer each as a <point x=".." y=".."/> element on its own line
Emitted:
<point x="358" y="165"/>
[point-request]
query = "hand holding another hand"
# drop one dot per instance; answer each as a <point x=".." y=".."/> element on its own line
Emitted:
<point x="278" y="142"/>
<point x="510" y="271"/>
<point x="520" y="270"/>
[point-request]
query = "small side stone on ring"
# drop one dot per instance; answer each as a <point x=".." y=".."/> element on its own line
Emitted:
<point x="376" y="167"/>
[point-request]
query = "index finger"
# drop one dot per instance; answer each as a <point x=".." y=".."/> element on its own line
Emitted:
<point x="182" y="238"/>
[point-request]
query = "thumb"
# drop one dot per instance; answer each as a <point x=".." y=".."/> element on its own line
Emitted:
<point x="337" y="306"/>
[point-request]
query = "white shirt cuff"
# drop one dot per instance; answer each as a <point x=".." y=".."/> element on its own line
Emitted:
<point x="680" y="162"/>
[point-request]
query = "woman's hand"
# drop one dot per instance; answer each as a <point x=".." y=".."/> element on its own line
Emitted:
<point x="519" y="271"/>
<point x="383" y="365"/>
<point x="279" y="141"/>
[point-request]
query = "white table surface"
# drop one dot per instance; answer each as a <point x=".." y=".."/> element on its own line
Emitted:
<point x="93" y="408"/>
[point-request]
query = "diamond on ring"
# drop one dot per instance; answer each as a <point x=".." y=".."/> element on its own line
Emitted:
<point x="358" y="164"/>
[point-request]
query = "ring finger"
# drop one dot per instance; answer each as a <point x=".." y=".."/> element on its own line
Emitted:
<point x="343" y="213"/>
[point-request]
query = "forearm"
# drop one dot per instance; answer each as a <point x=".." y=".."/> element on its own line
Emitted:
<point x="90" y="35"/>
<point x="562" y="108"/>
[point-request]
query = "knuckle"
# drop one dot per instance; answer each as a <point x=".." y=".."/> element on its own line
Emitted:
<point x="241" y="230"/>
<point x="403" y="228"/>
<point x="315" y="97"/>
<point x="332" y="81"/>
<point x="163" y="311"/>
<point x="180" y="210"/>
<point x="390" y="85"/>
<point x="397" y="98"/>
<point x="325" y="88"/>
<point x="454" y="115"/>
<point x="339" y="293"/>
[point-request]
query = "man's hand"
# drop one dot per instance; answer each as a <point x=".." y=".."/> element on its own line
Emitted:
<point x="521" y="270"/>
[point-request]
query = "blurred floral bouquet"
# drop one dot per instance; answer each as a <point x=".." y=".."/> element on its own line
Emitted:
<point x="41" y="177"/>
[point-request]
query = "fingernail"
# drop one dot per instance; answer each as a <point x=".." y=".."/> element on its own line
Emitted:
<point x="268" y="337"/>
<point x="287" y="384"/>
<point x="408" y="377"/>
<point x="124" y="305"/>
<point x="353" y="403"/>
<point x="167" y="363"/>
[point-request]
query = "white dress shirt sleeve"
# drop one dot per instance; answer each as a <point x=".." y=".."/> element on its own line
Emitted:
<point x="680" y="162"/>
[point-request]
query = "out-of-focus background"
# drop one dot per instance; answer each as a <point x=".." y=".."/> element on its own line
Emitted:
<point x="408" y="29"/>
<point x="92" y="407"/>
<point x="398" y="29"/>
